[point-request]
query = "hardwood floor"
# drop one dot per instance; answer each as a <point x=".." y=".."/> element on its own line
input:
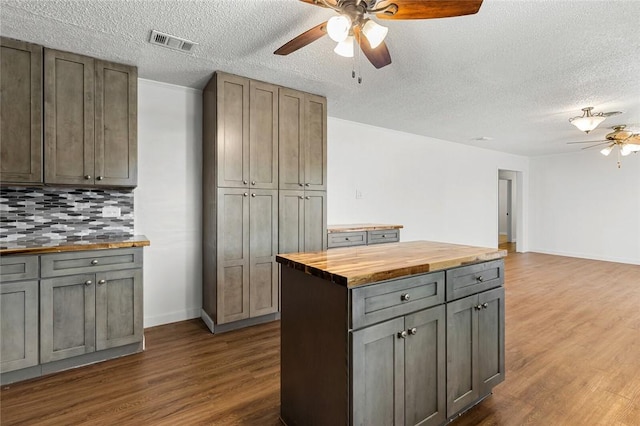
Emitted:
<point x="572" y="358"/>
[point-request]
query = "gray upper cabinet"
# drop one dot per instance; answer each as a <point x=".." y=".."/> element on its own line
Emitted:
<point x="20" y="112"/>
<point x="303" y="140"/>
<point x="90" y="111"/>
<point x="302" y="221"/>
<point x="246" y="134"/>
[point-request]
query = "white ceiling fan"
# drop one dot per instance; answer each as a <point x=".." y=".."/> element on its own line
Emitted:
<point x="626" y="140"/>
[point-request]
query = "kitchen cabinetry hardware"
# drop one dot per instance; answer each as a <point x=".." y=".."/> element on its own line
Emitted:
<point x="94" y="262"/>
<point x="479" y="278"/>
<point x="402" y="334"/>
<point x="244" y="182"/>
<point x="87" y="177"/>
<point x="88" y="282"/>
<point x="413" y="331"/>
<point x="253" y="182"/>
<point x="253" y="195"/>
<point x="99" y="178"/>
<point x="485" y="305"/>
<point x="102" y="282"/>
<point x="405" y="297"/>
<point x="307" y="198"/>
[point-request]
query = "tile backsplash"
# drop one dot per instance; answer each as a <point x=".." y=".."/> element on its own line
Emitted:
<point x="56" y="214"/>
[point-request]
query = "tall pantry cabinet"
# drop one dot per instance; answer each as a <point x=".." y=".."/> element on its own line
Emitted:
<point x="242" y="146"/>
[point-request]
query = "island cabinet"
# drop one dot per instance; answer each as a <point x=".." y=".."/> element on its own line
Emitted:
<point x="362" y="234"/>
<point x="90" y="130"/>
<point x="382" y="339"/>
<point x="62" y="310"/>
<point x="20" y="112"/>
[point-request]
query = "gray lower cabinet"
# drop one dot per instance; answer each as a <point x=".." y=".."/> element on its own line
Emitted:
<point x="86" y="304"/>
<point x="475" y="348"/>
<point x="361" y="238"/>
<point x="398" y="371"/>
<point x="246" y="274"/>
<point x="303" y="221"/>
<point x="20" y="112"/>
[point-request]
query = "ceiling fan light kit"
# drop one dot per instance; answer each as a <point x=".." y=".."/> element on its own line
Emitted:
<point x="345" y="47"/>
<point x="374" y="32"/>
<point x="588" y="121"/>
<point x="338" y="28"/>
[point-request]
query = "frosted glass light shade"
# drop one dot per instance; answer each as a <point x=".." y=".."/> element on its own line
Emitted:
<point x="625" y="150"/>
<point x="338" y="28"/>
<point x="587" y="123"/>
<point x="374" y="32"/>
<point x="606" y="151"/>
<point x="345" y="47"/>
<point x="633" y="147"/>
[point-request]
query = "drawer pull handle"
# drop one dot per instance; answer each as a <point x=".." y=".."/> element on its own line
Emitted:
<point x="477" y="308"/>
<point x="94" y="262"/>
<point x="346" y="238"/>
<point x="87" y="177"/>
<point x="300" y="184"/>
<point x="88" y="282"/>
<point x="308" y="198"/>
<point x="102" y="282"/>
<point x="405" y="297"/>
<point x="300" y="196"/>
<point x="253" y="195"/>
<point x="413" y="331"/>
<point x="402" y="334"/>
<point x="244" y="182"/>
<point x="246" y="194"/>
<point x="307" y="184"/>
<point x="479" y="278"/>
<point x="485" y="305"/>
<point x="253" y="182"/>
<point x="99" y="178"/>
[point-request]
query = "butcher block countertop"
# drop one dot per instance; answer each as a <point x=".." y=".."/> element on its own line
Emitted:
<point x="58" y="246"/>
<point x="354" y="266"/>
<point x="355" y="227"/>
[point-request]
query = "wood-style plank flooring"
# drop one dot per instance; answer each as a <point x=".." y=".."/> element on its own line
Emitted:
<point x="572" y="358"/>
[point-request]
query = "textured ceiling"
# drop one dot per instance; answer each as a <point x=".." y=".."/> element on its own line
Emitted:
<point x="514" y="72"/>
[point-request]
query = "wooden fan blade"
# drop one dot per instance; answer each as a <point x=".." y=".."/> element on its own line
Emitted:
<point x="428" y="9"/>
<point x="319" y="3"/>
<point x="379" y="56"/>
<point x="303" y="39"/>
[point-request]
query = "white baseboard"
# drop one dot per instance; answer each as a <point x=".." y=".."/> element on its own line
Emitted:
<point x="152" y="321"/>
<point x="587" y="256"/>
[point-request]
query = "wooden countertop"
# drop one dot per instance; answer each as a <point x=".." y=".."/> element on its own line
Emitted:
<point x="354" y="266"/>
<point x="354" y="227"/>
<point x="53" y="246"/>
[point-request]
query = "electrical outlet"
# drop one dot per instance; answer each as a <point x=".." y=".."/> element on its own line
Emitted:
<point x="110" y="211"/>
<point x="359" y="194"/>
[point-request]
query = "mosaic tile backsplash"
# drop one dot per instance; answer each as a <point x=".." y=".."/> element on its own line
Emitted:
<point x="58" y="214"/>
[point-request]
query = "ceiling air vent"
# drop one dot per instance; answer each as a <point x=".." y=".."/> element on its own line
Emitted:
<point x="172" y="42"/>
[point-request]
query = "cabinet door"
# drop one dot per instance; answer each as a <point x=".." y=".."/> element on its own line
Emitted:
<point x="378" y="361"/>
<point x="490" y="339"/>
<point x="291" y="132"/>
<point x="263" y="247"/>
<point x="68" y="118"/>
<point x="18" y="325"/>
<point x="315" y="146"/>
<point x="67" y="317"/>
<point x="291" y="221"/>
<point x="233" y="255"/>
<point x="116" y="112"/>
<point x="20" y="112"/>
<point x="315" y="220"/>
<point x="462" y="353"/>
<point x="232" y="137"/>
<point x="263" y="135"/>
<point x="424" y="377"/>
<point x="118" y="308"/>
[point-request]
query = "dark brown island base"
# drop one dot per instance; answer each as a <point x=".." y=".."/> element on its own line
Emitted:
<point x="395" y="334"/>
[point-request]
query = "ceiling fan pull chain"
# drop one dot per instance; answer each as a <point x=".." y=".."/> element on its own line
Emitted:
<point x="359" y="66"/>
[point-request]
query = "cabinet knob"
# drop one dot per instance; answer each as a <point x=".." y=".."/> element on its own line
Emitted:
<point x="94" y="262"/>
<point x="477" y="308"/>
<point x="405" y="297"/>
<point x="402" y="334"/>
<point x="253" y="195"/>
<point x="307" y="184"/>
<point x="479" y="278"/>
<point x="307" y="198"/>
<point x="88" y="282"/>
<point x="346" y="238"/>
<point x="99" y="178"/>
<point x="102" y="282"/>
<point x="413" y="331"/>
<point x="300" y="184"/>
<point x="300" y="196"/>
<point x="245" y="182"/>
<point x="485" y="305"/>
<point x="87" y="177"/>
<point x="253" y="182"/>
<point x="246" y="194"/>
<point x="383" y="236"/>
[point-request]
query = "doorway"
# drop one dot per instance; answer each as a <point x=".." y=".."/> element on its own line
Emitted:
<point x="506" y="207"/>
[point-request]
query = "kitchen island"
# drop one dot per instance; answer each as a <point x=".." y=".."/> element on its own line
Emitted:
<point x="403" y="333"/>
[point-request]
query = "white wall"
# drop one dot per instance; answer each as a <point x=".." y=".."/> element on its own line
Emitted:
<point x="582" y="205"/>
<point x="503" y="196"/>
<point x="168" y="200"/>
<point x="439" y="191"/>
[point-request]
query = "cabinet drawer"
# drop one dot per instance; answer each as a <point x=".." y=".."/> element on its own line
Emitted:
<point x="383" y="236"/>
<point x="346" y="239"/>
<point x="389" y="299"/>
<point x="472" y="279"/>
<point x="55" y="265"/>
<point x="14" y="268"/>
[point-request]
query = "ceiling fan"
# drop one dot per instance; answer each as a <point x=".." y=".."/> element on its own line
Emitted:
<point x="353" y="23"/>
<point x="627" y="141"/>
